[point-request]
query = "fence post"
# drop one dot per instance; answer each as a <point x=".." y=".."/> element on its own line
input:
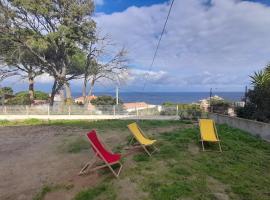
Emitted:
<point x="5" y="109"/>
<point x="137" y="111"/>
<point x="69" y="110"/>
<point x="27" y="110"/>
<point x="177" y="110"/>
<point x="48" y="109"/>
<point x="113" y="109"/>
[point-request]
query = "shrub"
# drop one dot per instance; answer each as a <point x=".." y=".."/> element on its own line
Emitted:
<point x="258" y="98"/>
<point x="104" y="101"/>
<point x="6" y="90"/>
<point x="19" y="99"/>
<point x="39" y="95"/>
<point x="23" y="98"/>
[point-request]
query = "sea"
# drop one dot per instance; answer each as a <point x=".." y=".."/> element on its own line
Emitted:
<point x="158" y="98"/>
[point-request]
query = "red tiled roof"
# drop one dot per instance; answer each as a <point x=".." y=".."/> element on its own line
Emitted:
<point x="88" y="98"/>
<point x="135" y="105"/>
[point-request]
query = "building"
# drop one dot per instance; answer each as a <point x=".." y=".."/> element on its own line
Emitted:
<point x="205" y="103"/>
<point x="133" y="106"/>
<point x="80" y="100"/>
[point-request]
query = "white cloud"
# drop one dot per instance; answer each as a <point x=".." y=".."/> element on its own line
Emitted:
<point x="99" y="2"/>
<point x="228" y="39"/>
<point x="44" y="78"/>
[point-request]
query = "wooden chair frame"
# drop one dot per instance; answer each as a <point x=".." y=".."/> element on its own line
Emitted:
<point x="96" y="158"/>
<point x="142" y="145"/>
<point x="218" y="140"/>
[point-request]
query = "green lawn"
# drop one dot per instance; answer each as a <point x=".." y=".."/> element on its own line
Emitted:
<point x="181" y="170"/>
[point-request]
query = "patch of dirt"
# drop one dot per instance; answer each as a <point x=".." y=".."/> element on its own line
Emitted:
<point x="78" y="182"/>
<point x="217" y="188"/>
<point x="128" y="190"/>
<point x="30" y="159"/>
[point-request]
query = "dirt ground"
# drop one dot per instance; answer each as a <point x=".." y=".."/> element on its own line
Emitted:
<point x="30" y="159"/>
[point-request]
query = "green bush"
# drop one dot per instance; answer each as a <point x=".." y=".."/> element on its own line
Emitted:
<point x="185" y="111"/>
<point x="6" y="90"/>
<point x="39" y="95"/>
<point x="220" y="106"/>
<point x="23" y="98"/>
<point x="258" y="98"/>
<point x="104" y="101"/>
<point x="19" y="99"/>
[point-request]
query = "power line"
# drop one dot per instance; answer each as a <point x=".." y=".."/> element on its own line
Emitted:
<point x="161" y="35"/>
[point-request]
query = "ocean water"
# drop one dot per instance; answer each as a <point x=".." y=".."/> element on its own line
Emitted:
<point x="176" y="97"/>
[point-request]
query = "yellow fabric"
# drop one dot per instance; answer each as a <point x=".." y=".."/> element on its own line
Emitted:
<point x="134" y="129"/>
<point x="208" y="130"/>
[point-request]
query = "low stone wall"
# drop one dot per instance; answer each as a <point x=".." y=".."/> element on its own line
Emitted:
<point x="253" y="127"/>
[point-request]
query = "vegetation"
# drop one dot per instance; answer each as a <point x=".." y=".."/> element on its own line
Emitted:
<point x="74" y="145"/>
<point x="23" y="98"/>
<point x="57" y="38"/>
<point x="6" y="90"/>
<point x="258" y="99"/>
<point x="19" y="99"/>
<point x="182" y="106"/>
<point x="93" y="193"/>
<point x="180" y="170"/>
<point x="50" y="188"/>
<point x="220" y="106"/>
<point x="104" y="101"/>
<point x="185" y="111"/>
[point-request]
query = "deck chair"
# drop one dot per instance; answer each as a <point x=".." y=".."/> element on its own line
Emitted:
<point x="143" y="141"/>
<point x="208" y="132"/>
<point x="103" y="154"/>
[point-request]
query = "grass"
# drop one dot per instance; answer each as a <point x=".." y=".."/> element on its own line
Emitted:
<point x="50" y="188"/>
<point x="104" y="190"/>
<point x="74" y="145"/>
<point x="176" y="172"/>
<point x="90" y="124"/>
<point x="180" y="170"/>
<point x="242" y="170"/>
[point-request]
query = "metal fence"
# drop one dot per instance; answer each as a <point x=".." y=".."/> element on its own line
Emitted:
<point x="153" y="110"/>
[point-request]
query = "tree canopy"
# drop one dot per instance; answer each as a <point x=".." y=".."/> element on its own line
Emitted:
<point x="58" y="38"/>
<point x="258" y="98"/>
<point x="51" y="31"/>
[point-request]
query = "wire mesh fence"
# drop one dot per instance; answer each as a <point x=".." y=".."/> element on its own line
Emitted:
<point x="153" y="110"/>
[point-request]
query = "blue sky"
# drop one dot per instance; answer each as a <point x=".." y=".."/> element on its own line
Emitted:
<point x="111" y="6"/>
<point x="204" y="46"/>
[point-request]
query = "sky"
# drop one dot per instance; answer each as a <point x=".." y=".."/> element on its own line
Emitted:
<point x="207" y="44"/>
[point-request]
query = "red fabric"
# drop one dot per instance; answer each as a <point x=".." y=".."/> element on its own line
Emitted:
<point x="109" y="157"/>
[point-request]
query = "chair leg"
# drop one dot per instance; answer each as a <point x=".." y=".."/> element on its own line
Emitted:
<point x="219" y="146"/>
<point x="144" y="147"/>
<point x="114" y="173"/>
<point x="203" y="146"/>
<point x="88" y="165"/>
<point x="155" y="149"/>
<point x="130" y="142"/>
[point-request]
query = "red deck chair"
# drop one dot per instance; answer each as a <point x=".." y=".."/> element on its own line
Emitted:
<point x="101" y="152"/>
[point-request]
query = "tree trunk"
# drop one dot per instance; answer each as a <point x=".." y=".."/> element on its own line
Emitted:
<point x="68" y="93"/>
<point x="91" y="88"/>
<point x="53" y="92"/>
<point x="31" y="88"/>
<point x="84" y="90"/>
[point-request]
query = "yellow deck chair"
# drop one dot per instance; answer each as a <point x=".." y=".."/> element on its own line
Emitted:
<point x="141" y="138"/>
<point x="208" y="132"/>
